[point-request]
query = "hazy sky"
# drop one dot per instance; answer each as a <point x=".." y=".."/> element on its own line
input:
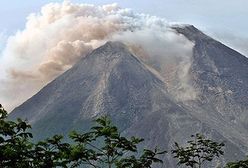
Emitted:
<point x="224" y="19"/>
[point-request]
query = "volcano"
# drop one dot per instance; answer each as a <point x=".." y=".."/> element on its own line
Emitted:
<point x="112" y="81"/>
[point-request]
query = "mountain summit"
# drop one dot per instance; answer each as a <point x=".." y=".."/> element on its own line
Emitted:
<point x="109" y="81"/>
<point x="219" y="74"/>
<point x="112" y="81"/>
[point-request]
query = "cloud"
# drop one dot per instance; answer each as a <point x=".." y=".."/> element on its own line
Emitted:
<point x="59" y="35"/>
<point x="167" y="52"/>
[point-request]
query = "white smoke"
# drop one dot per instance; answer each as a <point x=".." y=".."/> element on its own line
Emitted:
<point x="167" y="52"/>
<point x="62" y="33"/>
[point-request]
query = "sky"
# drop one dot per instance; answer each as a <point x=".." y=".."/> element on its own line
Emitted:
<point x="218" y="18"/>
<point x="226" y="20"/>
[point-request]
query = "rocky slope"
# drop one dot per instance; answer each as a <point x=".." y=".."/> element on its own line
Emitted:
<point x="111" y="81"/>
<point x="219" y="76"/>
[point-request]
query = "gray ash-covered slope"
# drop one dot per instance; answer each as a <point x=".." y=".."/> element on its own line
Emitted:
<point x="111" y="81"/>
<point x="215" y="64"/>
<point x="219" y="75"/>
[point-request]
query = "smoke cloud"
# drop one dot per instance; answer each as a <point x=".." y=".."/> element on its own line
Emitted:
<point x="62" y="33"/>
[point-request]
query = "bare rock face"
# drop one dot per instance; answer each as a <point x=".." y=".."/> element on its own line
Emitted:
<point x="111" y="81"/>
<point x="219" y="74"/>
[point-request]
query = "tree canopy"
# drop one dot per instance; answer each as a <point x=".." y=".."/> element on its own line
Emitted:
<point x="197" y="151"/>
<point x="102" y="146"/>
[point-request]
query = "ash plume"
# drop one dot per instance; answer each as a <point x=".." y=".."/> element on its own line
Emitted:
<point x="54" y="39"/>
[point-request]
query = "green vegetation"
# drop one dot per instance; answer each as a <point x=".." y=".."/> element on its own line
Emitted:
<point x="197" y="151"/>
<point x="14" y="142"/>
<point x="102" y="146"/>
<point x="238" y="164"/>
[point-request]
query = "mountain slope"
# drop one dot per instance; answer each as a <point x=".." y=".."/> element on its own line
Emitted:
<point x="219" y="74"/>
<point x="111" y="81"/>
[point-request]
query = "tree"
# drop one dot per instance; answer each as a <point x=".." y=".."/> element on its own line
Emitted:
<point x="238" y="164"/>
<point x="197" y="151"/>
<point x="14" y="142"/>
<point x="114" y="150"/>
<point x="51" y="152"/>
<point x="102" y="146"/>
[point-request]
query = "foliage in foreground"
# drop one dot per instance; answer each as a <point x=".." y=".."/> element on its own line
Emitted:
<point x="102" y="146"/>
<point x="238" y="164"/>
<point x="197" y="151"/>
